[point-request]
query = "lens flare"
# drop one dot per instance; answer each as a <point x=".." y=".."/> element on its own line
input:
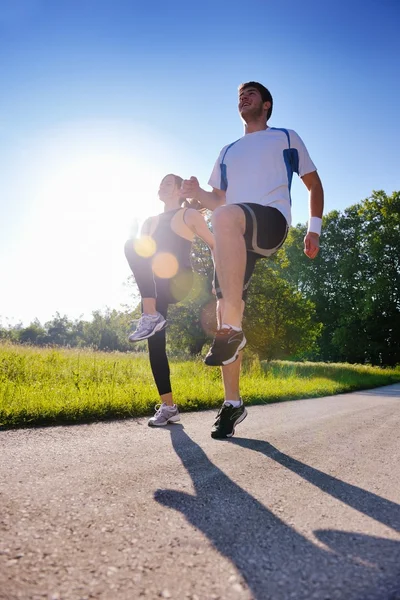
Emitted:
<point x="165" y="265"/>
<point x="198" y="287"/>
<point x="208" y="318"/>
<point x="181" y="284"/>
<point x="145" y="246"/>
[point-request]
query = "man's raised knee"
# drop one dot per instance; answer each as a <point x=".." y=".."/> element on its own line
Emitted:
<point x="228" y="215"/>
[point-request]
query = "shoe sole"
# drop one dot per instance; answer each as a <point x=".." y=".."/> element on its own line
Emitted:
<point x="173" y="419"/>
<point x="156" y="329"/>
<point x="229" y="360"/>
<point x="236" y="355"/>
<point x="237" y="422"/>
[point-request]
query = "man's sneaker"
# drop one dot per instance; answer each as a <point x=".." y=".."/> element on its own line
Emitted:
<point x="228" y="417"/>
<point x="164" y="414"/>
<point x="225" y="348"/>
<point x="147" y="326"/>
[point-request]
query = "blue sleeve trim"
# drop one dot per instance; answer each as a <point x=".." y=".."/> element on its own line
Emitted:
<point x="291" y="158"/>
<point x="224" y="175"/>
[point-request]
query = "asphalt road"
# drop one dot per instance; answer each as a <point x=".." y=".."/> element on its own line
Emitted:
<point x="302" y="504"/>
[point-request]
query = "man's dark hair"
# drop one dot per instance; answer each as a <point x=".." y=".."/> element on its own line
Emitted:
<point x="265" y="94"/>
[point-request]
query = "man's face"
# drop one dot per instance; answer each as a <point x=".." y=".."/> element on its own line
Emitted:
<point x="251" y="105"/>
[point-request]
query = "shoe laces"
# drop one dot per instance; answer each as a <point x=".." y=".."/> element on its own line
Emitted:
<point x="160" y="408"/>
<point x="143" y="321"/>
<point x="224" y="406"/>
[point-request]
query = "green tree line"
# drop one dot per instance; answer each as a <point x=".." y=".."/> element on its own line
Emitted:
<point x="342" y="306"/>
<point x="354" y="283"/>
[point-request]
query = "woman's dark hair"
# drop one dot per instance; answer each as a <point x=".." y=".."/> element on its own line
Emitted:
<point x="185" y="202"/>
<point x="178" y="180"/>
<point x="265" y="94"/>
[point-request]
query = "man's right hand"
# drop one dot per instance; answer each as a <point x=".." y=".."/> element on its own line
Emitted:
<point x="190" y="188"/>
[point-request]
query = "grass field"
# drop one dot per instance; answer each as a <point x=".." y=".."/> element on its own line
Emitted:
<point x="48" y="386"/>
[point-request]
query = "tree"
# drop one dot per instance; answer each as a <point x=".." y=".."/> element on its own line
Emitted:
<point x="201" y="261"/>
<point x="279" y="322"/>
<point x="355" y="281"/>
<point x="33" y="334"/>
<point x="107" y="331"/>
<point x="59" y="332"/>
<point x="191" y="322"/>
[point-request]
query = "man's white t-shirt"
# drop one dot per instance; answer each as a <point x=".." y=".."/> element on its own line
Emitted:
<point x="256" y="170"/>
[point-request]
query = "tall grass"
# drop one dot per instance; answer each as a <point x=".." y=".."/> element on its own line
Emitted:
<point x="48" y="386"/>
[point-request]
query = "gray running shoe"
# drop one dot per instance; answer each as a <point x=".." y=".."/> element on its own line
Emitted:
<point x="147" y="326"/>
<point x="164" y="415"/>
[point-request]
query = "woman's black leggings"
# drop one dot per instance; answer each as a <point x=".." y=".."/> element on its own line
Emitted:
<point x="165" y="291"/>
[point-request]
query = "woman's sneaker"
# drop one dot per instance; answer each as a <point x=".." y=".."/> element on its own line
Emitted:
<point x="227" y="418"/>
<point x="147" y="326"/>
<point x="164" y="414"/>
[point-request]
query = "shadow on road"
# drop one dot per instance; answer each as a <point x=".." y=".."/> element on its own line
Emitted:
<point x="368" y="503"/>
<point x="277" y="562"/>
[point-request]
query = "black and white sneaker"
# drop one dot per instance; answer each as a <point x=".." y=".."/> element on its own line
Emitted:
<point x="225" y="348"/>
<point x="228" y="417"/>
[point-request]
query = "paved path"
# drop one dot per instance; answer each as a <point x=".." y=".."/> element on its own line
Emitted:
<point x="302" y="504"/>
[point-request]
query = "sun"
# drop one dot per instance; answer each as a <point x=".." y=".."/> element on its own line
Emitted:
<point x="103" y="192"/>
<point x="104" y="189"/>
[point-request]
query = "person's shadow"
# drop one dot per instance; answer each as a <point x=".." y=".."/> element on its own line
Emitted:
<point x="277" y="562"/>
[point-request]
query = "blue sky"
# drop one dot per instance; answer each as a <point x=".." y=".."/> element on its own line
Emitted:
<point x="101" y="98"/>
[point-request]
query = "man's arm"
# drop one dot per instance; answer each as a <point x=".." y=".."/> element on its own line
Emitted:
<point x="191" y="189"/>
<point x="316" y="208"/>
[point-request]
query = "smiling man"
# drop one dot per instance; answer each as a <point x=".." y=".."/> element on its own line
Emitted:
<point x="251" y="206"/>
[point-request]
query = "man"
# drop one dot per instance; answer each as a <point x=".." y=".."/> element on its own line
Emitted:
<point x="251" y="206"/>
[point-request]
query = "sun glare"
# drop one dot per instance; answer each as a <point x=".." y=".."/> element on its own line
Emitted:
<point x="89" y="191"/>
<point x="165" y="265"/>
<point x="145" y="246"/>
<point x="96" y="173"/>
<point x="102" y="191"/>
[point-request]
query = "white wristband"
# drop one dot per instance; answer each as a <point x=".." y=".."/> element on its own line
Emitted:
<point x="314" y="225"/>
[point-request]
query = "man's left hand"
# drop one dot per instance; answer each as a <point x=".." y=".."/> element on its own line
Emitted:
<point x="311" y="244"/>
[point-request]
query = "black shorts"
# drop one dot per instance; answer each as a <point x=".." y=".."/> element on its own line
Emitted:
<point x="266" y="230"/>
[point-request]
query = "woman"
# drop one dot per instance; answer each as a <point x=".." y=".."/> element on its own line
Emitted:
<point x="160" y="263"/>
